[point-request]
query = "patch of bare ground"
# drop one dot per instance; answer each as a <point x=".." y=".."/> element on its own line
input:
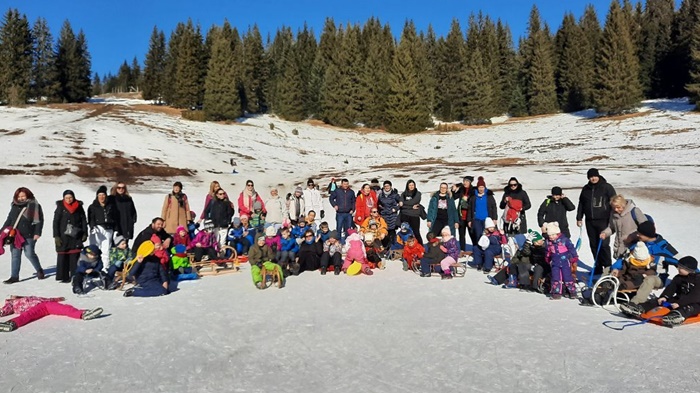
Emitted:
<point x="162" y="109"/>
<point x="595" y="158"/>
<point x="620" y="117"/>
<point x="13" y="132"/>
<point x="672" y="132"/>
<point x="527" y="118"/>
<point x="663" y="195"/>
<point x="122" y="116"/>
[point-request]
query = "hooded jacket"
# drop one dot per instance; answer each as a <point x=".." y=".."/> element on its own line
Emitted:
<point x="623" y="225"/>
<point x="594" y="201"/>
<point x="552" y="210"/>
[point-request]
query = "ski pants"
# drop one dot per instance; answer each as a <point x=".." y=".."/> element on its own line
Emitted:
<point x="102" y="238"/>
<point x="561" y="275"/>
<point x="648" y="285"/>
<point x="335" y="260"/>
<point x="484" y="258"/>
<point x="256" y="271"/>
<point x="46" y="308"/>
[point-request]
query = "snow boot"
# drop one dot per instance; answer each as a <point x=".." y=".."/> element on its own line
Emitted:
<point x="492" y="279"/>
<point x="7" y="326"/>
<point x="91" y="314"/>
<point x="129" y="292"/>
<point x="425" y="274"/>
<point x="337" y="270"/>
<point x="632" y="309"/>
<point x="367" y="271"/>
<point x="555" y="296"/>
<point x="446" y="277"/>
<point x="674" y="318"/>
<point x="512" y="282"/>
<point x="11" y="280"/>
<point x="405" y="265"/>
<point x="323" y="271"/>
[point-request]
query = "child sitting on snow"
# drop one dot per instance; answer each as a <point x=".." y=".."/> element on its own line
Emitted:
<point x="259" y="256"/>
<point x="205" y="243"/>
<point x="299" y="229"/>
<point x="181" y="268"/>
<point x="488" y="247"/>
<point x="119" y="255"/>
<point x="561" y="255"/>
<point x="273" y="240"/>
<point x="150" y="276"/>
<point x="89" y="265"/>
<point x="354" y="250"/>
<point x="236" y="237"/>
<point x="433" y="255"/>
<point x="373" y="250"/>
<point x="181" y="237"/>
<point x="288" y="249"/>
<point x="682" y="296"/>
<point x="451" y="249"/>
<point x="412" y="252"/>
<point x="323" y="233"/>
<point x="523" y="264"/>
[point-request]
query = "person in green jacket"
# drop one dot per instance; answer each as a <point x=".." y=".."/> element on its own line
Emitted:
<point x="261" y="255"/>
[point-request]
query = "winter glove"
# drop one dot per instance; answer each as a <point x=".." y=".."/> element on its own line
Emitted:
<point x="58" y="242"/>
<point x="323" y="214"/>
<point x="85" y="236"/>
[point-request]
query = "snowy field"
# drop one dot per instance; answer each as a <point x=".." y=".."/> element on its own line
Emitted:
<point x="391" y="332"/>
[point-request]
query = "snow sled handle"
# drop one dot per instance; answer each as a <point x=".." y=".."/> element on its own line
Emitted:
<point x="145" y="249"/>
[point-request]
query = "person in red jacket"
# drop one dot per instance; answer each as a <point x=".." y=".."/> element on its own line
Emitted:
<point x="364" y="203"/>
<point x="412" y="252"/>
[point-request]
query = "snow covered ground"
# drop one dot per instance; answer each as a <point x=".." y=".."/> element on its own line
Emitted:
<point x="392" y="332"/>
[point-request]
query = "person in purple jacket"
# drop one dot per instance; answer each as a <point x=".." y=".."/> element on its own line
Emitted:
<point x="450" y="247"/>
<point x="343" y="201"/>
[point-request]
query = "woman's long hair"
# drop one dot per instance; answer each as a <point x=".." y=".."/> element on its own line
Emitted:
<point x="26" y="191"/>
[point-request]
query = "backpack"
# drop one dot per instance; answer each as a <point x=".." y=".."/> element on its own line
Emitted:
<point x="634" y="217"/>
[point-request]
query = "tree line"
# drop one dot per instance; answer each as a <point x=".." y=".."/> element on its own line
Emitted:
<point x="35" y="67"/>
<point x="362" y="75"/>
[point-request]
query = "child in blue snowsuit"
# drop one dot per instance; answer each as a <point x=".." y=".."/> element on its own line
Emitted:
<point x="151" y="278"/>
<point x="402" y="236"/>
<point x="298" y="231"/>
<point x="561" y="255"/>
<point x="89" y="265"/>
<point x="323" y="233"/>
<point x="236" y="238"/>
<point x="488" y="247"/>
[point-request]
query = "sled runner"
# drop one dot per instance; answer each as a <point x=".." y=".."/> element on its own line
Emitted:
<point x="270" y="278"/>
<point x="458" y="269"/>
<point x="145" y="249"/>
<point x="228" y="262"/>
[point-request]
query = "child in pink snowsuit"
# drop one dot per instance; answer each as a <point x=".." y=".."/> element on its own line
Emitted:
<point x="355" y="251"/>
<point x="450" y="247"/>
<point x="31" y="308"/>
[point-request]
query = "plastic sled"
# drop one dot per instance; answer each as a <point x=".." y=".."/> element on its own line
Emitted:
<point x="354" y="269"/>
<point x="658" y="312"/>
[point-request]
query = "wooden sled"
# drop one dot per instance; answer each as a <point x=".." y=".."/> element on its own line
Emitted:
<point x="270" y="278"/>
<point x="217" y="266"/>
<point x="459" y="269"/>
<point x="657" y="313"/>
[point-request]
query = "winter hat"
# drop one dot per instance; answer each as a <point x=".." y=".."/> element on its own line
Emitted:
<point x="488" y="223"/>
<point x="552" y="228"/>
<point x="236" y="221"/>
<point x="351" y="231"/>
<point x="405" y="227"/>
<point x="387" y="182"/>
<point x="93" y="249"/>
<point x="434" y="240"/>
<point x="299" y="190"/>
<point x="180" y="228"/>
<point x="369" y="237"/>
<point x="118" y="239"/>
<point x="533" y="236"/>
<point x="470" y="178"/>
<point x="688" y="263"/>
<point x="641" y="252"/>
<point x="374" y="181"/>
<point x="180" y="249"/>
<point x="259" y="238"/>
<point x="446" y="231"/>
<point x="647" y="229"/>
<point x="480" y="182"/>
<point x="592" y="172"/>
<point x="208" y="224"/>
<point x="257" y="205"/>
<point x="244" y="216"/>
<point x="270" y="231"/>
<point x="102" y="190"/>
<point x="333" y="235"/>
<point x="155" y="239"/>
<point x="373" y="222"/>
<point x="556" y="190"/>
<point x="68" y="192"/>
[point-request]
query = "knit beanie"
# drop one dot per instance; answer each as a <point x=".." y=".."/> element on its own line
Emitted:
<point x="387" y="182"/>
<point x="369" y="237"/>
<point x="552" y="228"/>
<point x="640" y="252"/>
<point x="68" y="192"/>
<point x="102" y="190"/>
<point x="118" y="239"/>
<point x="333" y="235"/>
<point x="533" y="236"/>
<point x="299" y="190"/>
<point x="180" y="228"/>
<point x="647" y="229"/>
<point x="592" y="172"/>
<point x="688" y="263"/>
<point x="556" y="191"/>
<point x="480" y="182"/>
<point x="468" y="178"/>
<point x="155" y="239"/>
<point x="488" y="223"/>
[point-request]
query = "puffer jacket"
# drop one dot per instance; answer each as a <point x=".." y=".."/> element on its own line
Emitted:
<point x="389" y="207"/>
<point x="594" y="201"/>
<point x="623" y="225"/>
<point x="257" y="255"/>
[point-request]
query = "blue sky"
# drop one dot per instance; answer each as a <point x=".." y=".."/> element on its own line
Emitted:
<point x="120" y="29"/>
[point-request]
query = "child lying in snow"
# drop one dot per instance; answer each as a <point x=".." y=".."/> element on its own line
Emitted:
<point x="32" y="308"/>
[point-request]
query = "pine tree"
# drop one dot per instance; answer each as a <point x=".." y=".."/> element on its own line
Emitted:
<point x="290" y="88"/>
<point x="406" y="112"/>
<point x="679" y="60"/>
<point x="305" y="49"/>
<point x="617" y="83"/>
<point x="15" y="58"/>
<point x="655" y="41"/>
<point x="136" y="75"/>
<point x="419" y="56"/>
<point x="375" y="72"/>
<point x="590" y="27"/>
<point x="325" y="54"/>
<point x="507" y="73"/>
<point x="693" y="87"/>
<point x="277" y="54"/>
<point x="432" y="55"/>
<point x="42" y="61"/>
<point x="123" y="78"/>
<point x="221" y="96"/>
<point x="72" y="66"/>
<point x="170" y="93"/>
<point x="449" y="73"/>
<point x="96" y="85"/>
<point x="254" y="72"/>
<point x="570" y="75"/>
<point x="488" y="46"/>
<point x="188" y="78"/>
<point x="540" y="88"/>
<point x="83" y="68"/>
<point x="478" y="93"/>
<point x="154" y="67"/>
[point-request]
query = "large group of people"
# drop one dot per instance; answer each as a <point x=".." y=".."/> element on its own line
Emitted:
<point x="290" y="236"/>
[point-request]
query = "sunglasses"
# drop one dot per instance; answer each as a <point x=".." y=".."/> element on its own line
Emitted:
<point x="309" y="236"/>
<point x="374" y="211"/>
<point x="121" y="187"/>
<point x="513" y="184"/>
<point x="249" y="185"/>
<point x="220" y="193"/>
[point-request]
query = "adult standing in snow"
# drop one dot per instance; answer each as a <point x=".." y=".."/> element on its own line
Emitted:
<point x="176" y="209"/>
<point x="24" y="225"/>
<point x="102" y="218"/>
<point x="511" y="193"/>
<point x="343" y="201"/>
<point x="389" y="200"/>
<point x="461" y="194"/>
<point x="69" y="232"/>
<point x="409" y="201"/>
<point x="481" y="205"/>
<point x="594" y="204"/>
<point x="213" y="188"/>
<point x="220" y="212"/>
<point x="312" y="199"/>
<point x="247" y="199"/>
<point x="364" y="203"/>
<point x="554" y="209"/>
<point x="276" y="210"/>
<point x="624" y="219"/>
<point x="442" y="212"/>
<point x="297" y="205"/>
<point x="126" y="210"/>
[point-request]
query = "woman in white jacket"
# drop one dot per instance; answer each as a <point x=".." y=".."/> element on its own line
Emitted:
<point x="276" y="210"/>
<point x="313" y="201"/>
<point x="297" y="205"/>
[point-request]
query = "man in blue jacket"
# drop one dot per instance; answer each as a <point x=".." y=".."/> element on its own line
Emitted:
<point x="343" y="201"/>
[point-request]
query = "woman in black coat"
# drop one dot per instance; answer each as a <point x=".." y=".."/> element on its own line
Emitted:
<point x="514" y="190"/>
<point x="309" y="256"/>
<point x="69" y="233"/>
<point x="409" y="202"/>
<point x="126" y="209"/>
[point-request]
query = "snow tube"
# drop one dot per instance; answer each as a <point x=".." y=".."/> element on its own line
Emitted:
<point x="354" y="269"/>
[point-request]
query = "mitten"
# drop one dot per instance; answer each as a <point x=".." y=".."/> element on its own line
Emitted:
<point x="85" y="236"/>
<point x="323" y="214"/>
